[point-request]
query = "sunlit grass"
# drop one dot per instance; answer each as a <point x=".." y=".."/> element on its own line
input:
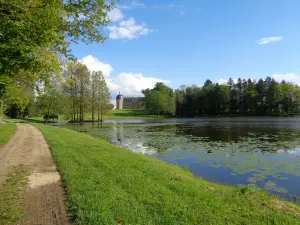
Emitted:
<point x="7" y="130"/>
<point x="107" y="184"/>
<point x="110" y="115"/>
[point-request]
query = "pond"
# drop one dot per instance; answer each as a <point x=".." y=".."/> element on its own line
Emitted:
<point x="251" y="151"/>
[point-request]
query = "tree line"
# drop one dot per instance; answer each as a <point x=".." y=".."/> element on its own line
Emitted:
<point x="243" y="97"/>
<point x="79" y="91"/>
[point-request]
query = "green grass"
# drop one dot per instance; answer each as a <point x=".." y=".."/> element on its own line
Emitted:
<point x="131" y="114"/>
<point x="107" y="184"/>
<point x="12" y="195"/>
<point x="7" y="130"/>
<point x="111" y="115"/>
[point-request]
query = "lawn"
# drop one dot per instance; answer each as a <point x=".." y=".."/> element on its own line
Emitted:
<point x="130" y="114"/>
<point x="107" y="184"/>
<point x="7" y="130"/>
<point x="110" y="115"/>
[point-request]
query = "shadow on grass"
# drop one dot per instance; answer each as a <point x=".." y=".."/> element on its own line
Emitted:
<point x="34" y="120"/>
<point x="41" y="121"/>
<point x="132" y="113"/>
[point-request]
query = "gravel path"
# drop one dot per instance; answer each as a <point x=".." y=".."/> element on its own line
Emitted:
<point x="45" y="200"/>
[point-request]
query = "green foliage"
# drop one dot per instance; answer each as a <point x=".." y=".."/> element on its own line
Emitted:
<point x="34" y="32"/>
<point x="111" y="185"/>
<point x="51" y="102"/>
<point x="101" y="94"/>
<point x="160" y="100"/>
<point x="17" y="95"/>
<point x="37" y="34"/>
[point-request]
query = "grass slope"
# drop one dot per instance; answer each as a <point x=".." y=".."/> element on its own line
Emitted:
<point x="107" y="184"/>
<point x="7" y="130"/>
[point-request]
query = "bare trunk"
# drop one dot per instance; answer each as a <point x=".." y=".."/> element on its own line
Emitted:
<point x="93" y="106"/>
<point x="98" y="119"/>
<point x="81" y="101"/>
<point x="93" y="117"/>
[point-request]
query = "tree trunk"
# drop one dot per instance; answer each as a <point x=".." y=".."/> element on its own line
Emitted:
<point x="93" y="106"/>
<point x="93" y="114"/>
<point x="98" y="114"/>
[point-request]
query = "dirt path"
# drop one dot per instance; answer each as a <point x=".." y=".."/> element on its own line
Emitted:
<point x="45" y="202"/>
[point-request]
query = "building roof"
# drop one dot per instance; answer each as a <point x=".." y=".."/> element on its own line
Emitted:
<point x="119" y="96"/>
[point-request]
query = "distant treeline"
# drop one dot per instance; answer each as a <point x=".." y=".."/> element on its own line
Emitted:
<point x="243" y="97"/>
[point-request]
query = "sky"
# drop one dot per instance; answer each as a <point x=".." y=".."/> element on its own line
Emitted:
<point x="186" y="42"/>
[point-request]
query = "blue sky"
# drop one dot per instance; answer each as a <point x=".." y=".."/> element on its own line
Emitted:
<point x="187" y="42"/>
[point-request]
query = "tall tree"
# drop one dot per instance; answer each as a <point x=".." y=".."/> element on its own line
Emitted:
<point x="161" y="99"/>
<point x="93" y="94"/>
<point x="49" y="102"/>
<point x="36" y="34"/>
<point x="102" y="95"/>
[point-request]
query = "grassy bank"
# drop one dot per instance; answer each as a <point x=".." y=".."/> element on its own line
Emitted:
<point x="131" y="114"/>
<point x="111" y="115"/>
<point x="7" y="130"/>
<point x="107" y="184"/>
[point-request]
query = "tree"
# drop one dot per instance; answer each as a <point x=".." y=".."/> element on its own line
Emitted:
<point x="77" y="81"/>
<point x="207" y="83"/>
<point x="51" y="101"/>
<point x="102" y="95"/>
<point x="29" y="28"/>
<point x="273" y="95"/>
<point x="160" y="100"/>
<point x="16" y="98"/>
<point x="288" y="97"/>
<point x="83" y="80"/>
<point x="93" y="94"/>
<point x="36" y="34"/>
<point x="230" y="83"/>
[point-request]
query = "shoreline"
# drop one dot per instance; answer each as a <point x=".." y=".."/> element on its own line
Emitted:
<point x="118" y="176"/>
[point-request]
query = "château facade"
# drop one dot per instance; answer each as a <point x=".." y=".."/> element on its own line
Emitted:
<point x="129" y="102"/>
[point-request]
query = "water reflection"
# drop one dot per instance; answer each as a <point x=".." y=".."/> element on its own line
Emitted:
<point x="228" y="151"/>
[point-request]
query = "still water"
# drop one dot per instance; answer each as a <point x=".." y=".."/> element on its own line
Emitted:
<point x="250" y="151"/>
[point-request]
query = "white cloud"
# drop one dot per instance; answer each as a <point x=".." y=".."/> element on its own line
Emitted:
<point x="268" y="40"/>
<point x="127" y="23"/>
<point x="166" y="6"/>
<point x="133" y="4"/>
<point x="222" y="81"/>
<point x="137" y="4"/>
<point x="131" y="84"/>
<point x="225" y="81"/>
<point x="288" y="77"/>
<point x="128" y="29"/>
<point x="94" y="64"/>
<point x="124" y="7"/>
<point x="115" y="15"/>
